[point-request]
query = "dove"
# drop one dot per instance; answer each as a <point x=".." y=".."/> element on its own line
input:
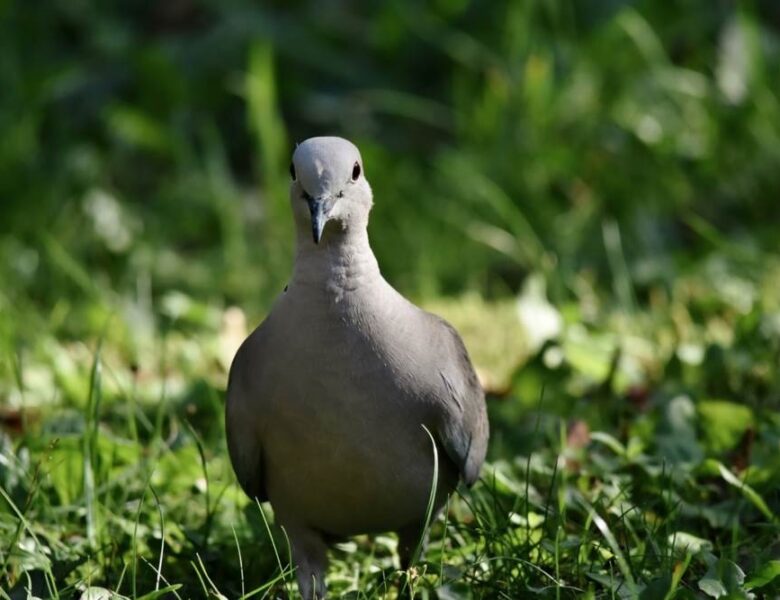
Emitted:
<point x="329" y="399"/>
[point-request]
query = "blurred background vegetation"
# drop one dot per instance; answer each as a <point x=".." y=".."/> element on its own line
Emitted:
<point x="589" y="190"/>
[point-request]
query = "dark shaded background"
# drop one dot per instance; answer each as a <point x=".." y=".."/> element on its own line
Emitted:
<point x="498" y="138"/>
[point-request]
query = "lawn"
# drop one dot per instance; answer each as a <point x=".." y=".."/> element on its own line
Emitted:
<point x="587" y="190"/>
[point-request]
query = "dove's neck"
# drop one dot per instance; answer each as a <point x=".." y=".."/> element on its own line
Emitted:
<point x="343" y="261"/>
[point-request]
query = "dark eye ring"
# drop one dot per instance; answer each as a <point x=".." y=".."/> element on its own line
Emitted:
<point x="355" y="171"/>
<point x="292" y="171"/>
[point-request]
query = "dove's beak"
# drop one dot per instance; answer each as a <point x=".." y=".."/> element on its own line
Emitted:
<point x="320" y="210"/>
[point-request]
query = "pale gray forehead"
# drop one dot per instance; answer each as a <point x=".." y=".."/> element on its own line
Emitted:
<point x="325" y="162"/>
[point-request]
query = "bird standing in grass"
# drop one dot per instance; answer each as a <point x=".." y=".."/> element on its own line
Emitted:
<point x="330" y="397"/>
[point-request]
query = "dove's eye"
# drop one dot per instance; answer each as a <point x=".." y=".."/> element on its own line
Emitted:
<point x="292" y="171"/>
<point x="355" y="171"/>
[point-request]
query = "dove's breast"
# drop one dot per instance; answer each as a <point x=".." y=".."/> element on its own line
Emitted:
<point x="345" y="448"/>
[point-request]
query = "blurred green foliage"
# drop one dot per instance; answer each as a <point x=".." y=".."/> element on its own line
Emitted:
<point x="589" y="190"/>
<point x="151" y="140"/>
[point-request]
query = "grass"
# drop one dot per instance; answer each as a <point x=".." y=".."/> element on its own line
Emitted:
<point x="596" y="485"/>
<point x="587" y="190"/>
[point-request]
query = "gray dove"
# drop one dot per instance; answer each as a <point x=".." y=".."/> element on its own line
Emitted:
<point x="328" y="398"/>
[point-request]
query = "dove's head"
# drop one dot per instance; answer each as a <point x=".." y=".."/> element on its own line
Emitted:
<point x="329" y="187"/>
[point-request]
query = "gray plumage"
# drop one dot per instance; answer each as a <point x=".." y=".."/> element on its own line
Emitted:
<point x="327" y="397"/>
